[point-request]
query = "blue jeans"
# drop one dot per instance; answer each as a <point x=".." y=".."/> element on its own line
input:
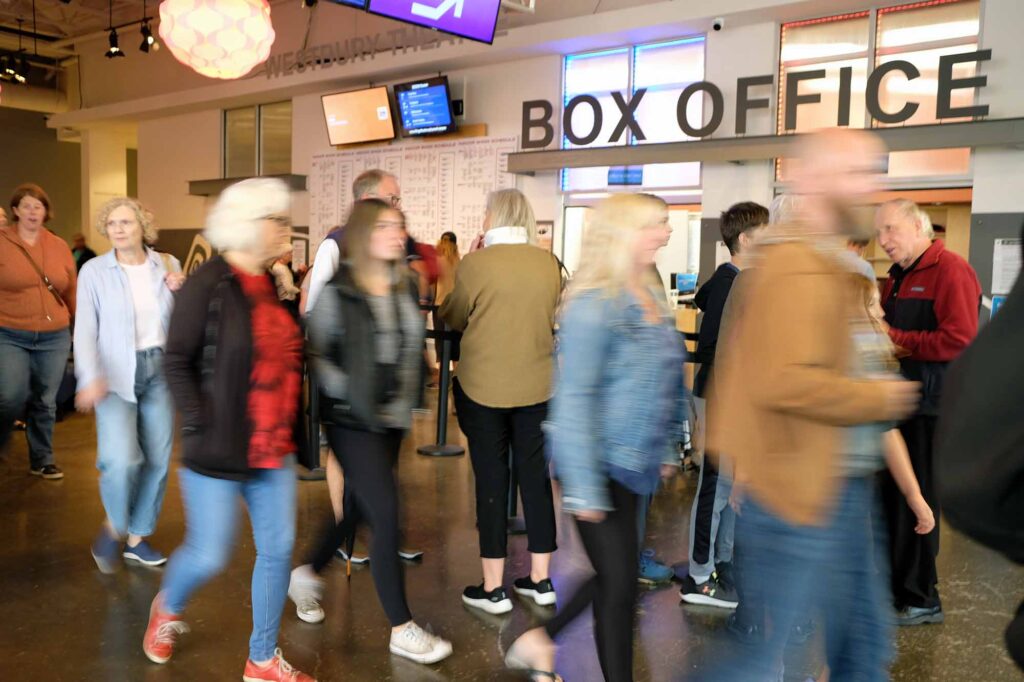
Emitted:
<point x="134" y="442"/>
<point x="32" y="365"/>
<point x="795" y="571"/>
<point x="211" y="515"/>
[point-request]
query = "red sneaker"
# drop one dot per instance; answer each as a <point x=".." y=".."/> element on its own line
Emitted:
<point x="278" y="670"/>
<point x="163" y="629"/>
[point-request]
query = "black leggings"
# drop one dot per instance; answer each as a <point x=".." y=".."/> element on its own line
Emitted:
<point x="612" y="547"/>
<point x="368" y="460"/>
<point x="490" y="431"/>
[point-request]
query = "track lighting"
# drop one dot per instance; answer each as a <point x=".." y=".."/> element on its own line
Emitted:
<point x="147" y="38"/>
<point x="309" y="3"/>
<point x="115" y="49"/>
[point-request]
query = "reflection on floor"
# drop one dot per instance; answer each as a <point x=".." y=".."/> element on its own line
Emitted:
<point x="63" y="620"/>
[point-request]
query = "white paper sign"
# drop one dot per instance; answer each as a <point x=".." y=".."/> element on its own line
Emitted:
<point x="1006" y="265"/>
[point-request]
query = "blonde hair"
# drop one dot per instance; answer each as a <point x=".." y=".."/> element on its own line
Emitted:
<point x="142" y="216"/>
<point x="908" y="209"/>
<point x="606" y="256"/>
<point x="510" y="208"/>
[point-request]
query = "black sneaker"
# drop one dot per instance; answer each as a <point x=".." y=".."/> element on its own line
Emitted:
<point x="543" y="592"/>
<point x="51" y="472"/>
<point x="496" y="601"/>
<point x="726" y="574"/>
<point x="709" y="593"/>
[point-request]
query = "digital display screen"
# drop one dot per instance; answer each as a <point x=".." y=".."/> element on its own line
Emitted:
<point x="425" y="107"/>
<point x="358" y="116"/>
<point x="361" y="4"/>
<point x="473" y="19"/>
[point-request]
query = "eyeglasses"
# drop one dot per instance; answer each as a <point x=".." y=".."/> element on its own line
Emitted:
<point x="393" y="199"/>
<point x="283" y="221"/>
<point x="121" y="223"/>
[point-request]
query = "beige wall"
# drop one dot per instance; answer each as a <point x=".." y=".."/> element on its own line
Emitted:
<point x="31" y="153"/>
<point x="173" y="151"/>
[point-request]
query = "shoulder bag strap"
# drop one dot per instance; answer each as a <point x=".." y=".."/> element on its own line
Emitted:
<point x="39" y="271"/>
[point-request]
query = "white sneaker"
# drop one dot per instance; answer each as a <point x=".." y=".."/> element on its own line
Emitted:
<point x="416" y="644"/>
<point x="306" y="589"/>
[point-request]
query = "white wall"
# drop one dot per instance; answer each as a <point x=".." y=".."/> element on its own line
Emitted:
<point x="173" y="151"/>
<point x="999" y="173"/>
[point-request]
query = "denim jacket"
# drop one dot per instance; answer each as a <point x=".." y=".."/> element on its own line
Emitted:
<point x="105" y="321"/>
<point x="617" y="410"/>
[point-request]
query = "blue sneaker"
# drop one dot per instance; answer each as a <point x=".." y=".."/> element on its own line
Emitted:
<point x="144" y="554"/>
<point x="105" y="551"/>
<point x="652" y="572"/>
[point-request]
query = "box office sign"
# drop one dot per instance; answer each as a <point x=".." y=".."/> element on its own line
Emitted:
<point x="537" y="114"/>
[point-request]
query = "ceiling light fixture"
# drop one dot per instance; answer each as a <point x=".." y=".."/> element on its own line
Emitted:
<point x="147" y="37"/>
<point x="115" y="49"/>
<point x="217" y="39"/>
<point x="309" y="3"/>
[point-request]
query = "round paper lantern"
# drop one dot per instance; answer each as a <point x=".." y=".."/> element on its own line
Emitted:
<point x="217" y="38"/>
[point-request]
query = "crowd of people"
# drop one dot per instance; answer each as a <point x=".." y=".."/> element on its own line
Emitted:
<point x="818" y="396"/>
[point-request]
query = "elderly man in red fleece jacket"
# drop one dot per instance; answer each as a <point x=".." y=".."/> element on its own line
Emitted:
<point x="931" y="303"/>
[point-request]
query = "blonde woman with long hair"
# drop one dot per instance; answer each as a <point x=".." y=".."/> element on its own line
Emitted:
<point x="613" y="421"/>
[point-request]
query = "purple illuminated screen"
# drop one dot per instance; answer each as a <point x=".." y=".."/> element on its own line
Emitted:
<point x="473" y="19"/>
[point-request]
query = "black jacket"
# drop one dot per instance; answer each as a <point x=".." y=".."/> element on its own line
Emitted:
<point x="343" y="351"/>
<point x="711" y="300"/>
<point x="208" y="363"/>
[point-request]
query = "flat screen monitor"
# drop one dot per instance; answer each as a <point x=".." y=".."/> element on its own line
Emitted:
<point x="361" y="4"/>
<point x="473" y="19"/>
<point x="425" y="107"/>
<point x="358" y="116"/>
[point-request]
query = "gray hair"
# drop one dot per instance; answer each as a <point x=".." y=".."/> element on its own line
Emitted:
<point x="785" y="208"/>
<point x="908" y="209"/>
<point x="510" y="208"/>
<point x="368" y="182"/>
<point x="142" y="216"/>
<point x="234" y="222"/>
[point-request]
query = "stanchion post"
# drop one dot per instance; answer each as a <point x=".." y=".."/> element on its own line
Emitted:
<point x="441" y="448"/>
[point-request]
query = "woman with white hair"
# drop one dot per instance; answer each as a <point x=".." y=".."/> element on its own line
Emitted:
<point x="504" y="302"/>
<point x="124" y="307"/>
<point x="234" y="365"/>
<point x="614" y="419"/>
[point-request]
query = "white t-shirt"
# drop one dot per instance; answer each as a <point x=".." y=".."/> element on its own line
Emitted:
<point x="149" y="330"/>
<point x="325" y="264"/>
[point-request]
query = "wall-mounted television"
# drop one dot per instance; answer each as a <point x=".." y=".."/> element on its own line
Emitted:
<point x="425" y="107"/>
<point x="358" y="116"/>
<point x="473" y="19"/>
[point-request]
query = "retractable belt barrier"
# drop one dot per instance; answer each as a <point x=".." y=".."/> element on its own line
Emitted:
<point x="441" y="447"/>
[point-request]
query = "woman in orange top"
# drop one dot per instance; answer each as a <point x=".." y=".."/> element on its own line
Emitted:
<point x="37" y="302"/>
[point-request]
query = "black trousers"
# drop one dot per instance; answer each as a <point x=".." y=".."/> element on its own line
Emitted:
<point x="915" y="578"/>
<point x="703" y="550"/>
<point x="369" y="462"/>
<point x="612" y="547"/>
<point x="490" y="431"/>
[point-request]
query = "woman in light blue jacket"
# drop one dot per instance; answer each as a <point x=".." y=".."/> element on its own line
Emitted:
<point x="615" y="417"/>
<point x="120" y="331"/>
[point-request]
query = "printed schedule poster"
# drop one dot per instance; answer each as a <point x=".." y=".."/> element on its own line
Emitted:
<point x="1006" y="265"/>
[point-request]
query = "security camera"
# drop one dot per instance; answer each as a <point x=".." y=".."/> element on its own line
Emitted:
<point x="718" y="24"/>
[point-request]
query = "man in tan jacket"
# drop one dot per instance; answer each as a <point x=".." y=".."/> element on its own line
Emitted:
<point x="783" y="405"/>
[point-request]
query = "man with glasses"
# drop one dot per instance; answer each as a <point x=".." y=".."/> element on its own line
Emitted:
<point x="371" y="184"/>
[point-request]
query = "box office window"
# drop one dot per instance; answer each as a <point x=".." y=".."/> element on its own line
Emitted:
<point x="258" y="140"/>
<point x="919" y="33"/>
<point x="663" y="70"/>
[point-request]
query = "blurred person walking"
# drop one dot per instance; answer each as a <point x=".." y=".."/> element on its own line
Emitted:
<point x="931" y="301"/>
<point x="789" y="398"/>
<point x="504" y="302"/>
<point x="710" y="580"/>
<point x="615" y="419"/>
<point x="124" y="307"/>
<point x="366" y="345"/>
<point x="37" y="306"/>
<point x="234" y="366"/>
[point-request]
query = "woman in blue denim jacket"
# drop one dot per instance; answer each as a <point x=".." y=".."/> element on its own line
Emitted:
<point x="615" y="417"/>
<point x="125" y="300"/>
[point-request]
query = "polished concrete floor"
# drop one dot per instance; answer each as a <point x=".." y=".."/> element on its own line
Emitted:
<point x="63" y="620"/>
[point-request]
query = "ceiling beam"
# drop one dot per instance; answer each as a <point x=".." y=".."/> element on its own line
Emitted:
<point x="1007" y="132"/>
